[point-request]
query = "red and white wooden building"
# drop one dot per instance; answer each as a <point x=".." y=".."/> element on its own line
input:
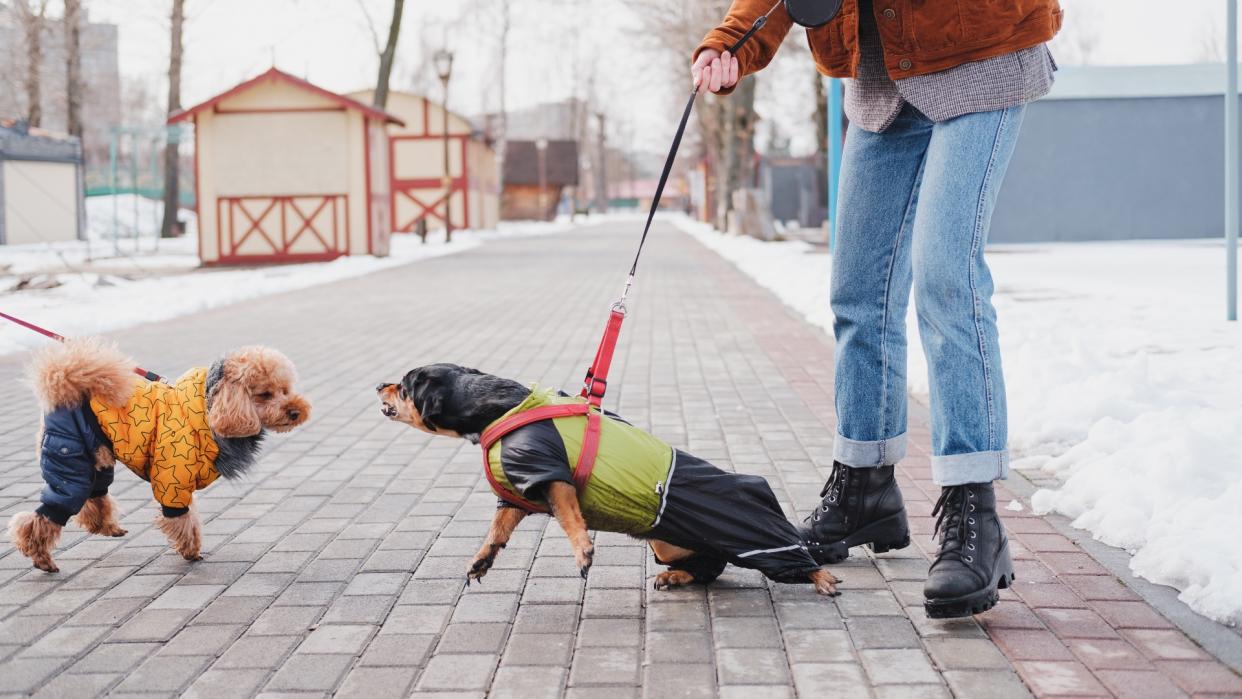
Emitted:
<point x="287" y="171"/>
<point x="416" y="166"/>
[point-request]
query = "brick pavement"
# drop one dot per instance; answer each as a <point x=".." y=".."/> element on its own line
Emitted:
<point x="338" y="566"/>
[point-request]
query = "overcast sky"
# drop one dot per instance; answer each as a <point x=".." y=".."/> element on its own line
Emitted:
<point x="329" y="43"/>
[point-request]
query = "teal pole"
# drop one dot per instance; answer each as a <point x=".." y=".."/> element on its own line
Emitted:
<point x="835" y="112"/>
<point x="1231" y="163"/>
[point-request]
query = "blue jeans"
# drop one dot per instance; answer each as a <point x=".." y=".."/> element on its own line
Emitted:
<point x="914" y="210"/>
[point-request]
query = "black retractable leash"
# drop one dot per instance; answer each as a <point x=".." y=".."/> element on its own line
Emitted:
<point x="808" y="13"/>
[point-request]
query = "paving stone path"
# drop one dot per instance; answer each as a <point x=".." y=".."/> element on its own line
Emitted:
<point x="338" y="566"/>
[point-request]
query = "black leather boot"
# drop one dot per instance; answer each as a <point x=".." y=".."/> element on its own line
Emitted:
<point x="973" y="563"/>
<point x="860" y="506"/>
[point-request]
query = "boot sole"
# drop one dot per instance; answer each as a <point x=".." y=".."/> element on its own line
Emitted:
<point x="888" y="534"/>
<point x="976" y="602"/>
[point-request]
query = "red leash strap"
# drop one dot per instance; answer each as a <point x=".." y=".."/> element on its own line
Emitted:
<point x="148" y="375"/>
<point x="586" y="456"/>
<point x="596" y="382"/>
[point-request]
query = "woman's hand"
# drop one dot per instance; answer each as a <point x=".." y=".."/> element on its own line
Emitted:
<point x="713" y="71"/>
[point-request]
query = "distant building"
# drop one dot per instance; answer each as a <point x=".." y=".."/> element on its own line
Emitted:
<point x="417" y="166"/>
<point x="289" y="172"/>
<point x="1119" y="153"/>
<point x="535" y="179"/>
<point x="795" y="189"/>
<point x="101" y="78"/>
<point x="40" y="186"/>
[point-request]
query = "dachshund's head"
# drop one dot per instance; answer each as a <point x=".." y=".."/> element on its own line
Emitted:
<point x="254" y="392"/>
<point x="448" y="399"/>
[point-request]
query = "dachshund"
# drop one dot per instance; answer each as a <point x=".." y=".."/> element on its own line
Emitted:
<point x="695" y="517"/>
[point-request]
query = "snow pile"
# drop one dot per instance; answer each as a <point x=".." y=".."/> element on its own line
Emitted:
<point x="1123" y="381"/>
<point x="133" y="215"/>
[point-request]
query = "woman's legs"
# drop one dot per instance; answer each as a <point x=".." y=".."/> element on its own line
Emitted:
<point x="965" y="163"/>
<point x="871" y="277"/>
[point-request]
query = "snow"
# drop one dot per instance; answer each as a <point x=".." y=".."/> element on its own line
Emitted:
<point x="1014" y="506"/>
<point x="1124" y="386"/>
<point x="100" y="291"/>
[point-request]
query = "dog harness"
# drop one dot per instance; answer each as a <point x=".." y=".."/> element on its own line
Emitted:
<point x="620" y="472"/>
<point x="161" y="434"/>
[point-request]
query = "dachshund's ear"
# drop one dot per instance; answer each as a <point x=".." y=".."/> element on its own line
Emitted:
<point x="232" y="413"/>
<point x="428" y="393"/>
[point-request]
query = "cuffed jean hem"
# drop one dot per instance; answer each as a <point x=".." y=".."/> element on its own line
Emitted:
<point x="855" y="454"/>
<point x="976" y="467"/>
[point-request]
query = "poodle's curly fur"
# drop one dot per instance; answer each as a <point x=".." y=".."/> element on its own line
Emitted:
<point x="185" y="533"/>
<point x="64" y="372"/>
<point x="98" y="516"/>
<point x="35" y="538"/>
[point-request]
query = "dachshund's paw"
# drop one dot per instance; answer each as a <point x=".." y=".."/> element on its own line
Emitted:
<point x="825" y="582"/>
<point x="584" y="558"/>
<point x="672" y="578"/>
<point x="46" y="564"/>
<point x="192" y="556"/>
<point x="483" y="561"/>
<point x="478" y="569"/>
<point x="113" y="531"/>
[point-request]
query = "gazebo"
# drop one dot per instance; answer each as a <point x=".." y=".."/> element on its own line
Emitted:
<point x="416" y="170"/>
<point x="287" y="171"/>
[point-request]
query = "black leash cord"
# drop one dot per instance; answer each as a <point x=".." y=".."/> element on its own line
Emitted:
<point x="672" y="153"/>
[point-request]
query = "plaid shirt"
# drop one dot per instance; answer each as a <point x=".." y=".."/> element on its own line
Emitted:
<point x="873" y="100"/>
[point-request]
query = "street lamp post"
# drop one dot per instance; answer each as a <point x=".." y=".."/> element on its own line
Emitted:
<point x="443" y="60"/>
<point x="542" y="146"/>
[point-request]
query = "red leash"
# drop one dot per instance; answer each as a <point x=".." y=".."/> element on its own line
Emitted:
<point x="596" y="382"/>
<point x="148" y="375"/>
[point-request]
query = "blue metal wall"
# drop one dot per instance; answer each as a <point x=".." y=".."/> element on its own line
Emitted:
<point x="1113" y="169"/>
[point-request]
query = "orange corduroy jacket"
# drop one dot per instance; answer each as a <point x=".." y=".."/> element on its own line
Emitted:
<point x="919" y="36"/>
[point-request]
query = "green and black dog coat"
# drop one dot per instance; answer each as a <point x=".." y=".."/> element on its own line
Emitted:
<point x="639" y="485"/>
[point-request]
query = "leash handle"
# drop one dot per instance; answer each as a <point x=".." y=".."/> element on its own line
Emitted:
<point x="148" y="375"/>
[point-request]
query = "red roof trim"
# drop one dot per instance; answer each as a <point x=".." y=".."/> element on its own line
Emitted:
<point x="281" y="76"/>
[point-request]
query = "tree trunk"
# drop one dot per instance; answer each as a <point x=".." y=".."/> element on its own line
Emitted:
<point x="73" y="81"/>
<point x="821" y="121"/>
<point x="503" y="141"/>
<point x="32" y="27"/>
<point x="601" y="166"/>
<point x="388" y="56"/>
<point x="736" y="144"/>
<point x="172" y="195"/>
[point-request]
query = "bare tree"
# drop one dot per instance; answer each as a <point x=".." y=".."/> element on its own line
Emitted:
<point x="73" y="81"/>
<point x="31" y="14"/>
<point x="388" y="55"/>
<point x="726" y="123"/>
<point x="172" y="194"/>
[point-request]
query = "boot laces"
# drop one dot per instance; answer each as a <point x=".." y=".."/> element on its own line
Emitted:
<point x="832" y="489"/>
<point x="831" y="492"/>
<point x="954" y="513"/>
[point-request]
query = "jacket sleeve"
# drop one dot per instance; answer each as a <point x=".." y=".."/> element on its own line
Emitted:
<point x="173" y="487"/>
<point x="761" y="47"/>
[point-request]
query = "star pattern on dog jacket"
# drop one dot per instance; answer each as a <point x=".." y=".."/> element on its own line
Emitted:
<point x="161" y="434"/>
